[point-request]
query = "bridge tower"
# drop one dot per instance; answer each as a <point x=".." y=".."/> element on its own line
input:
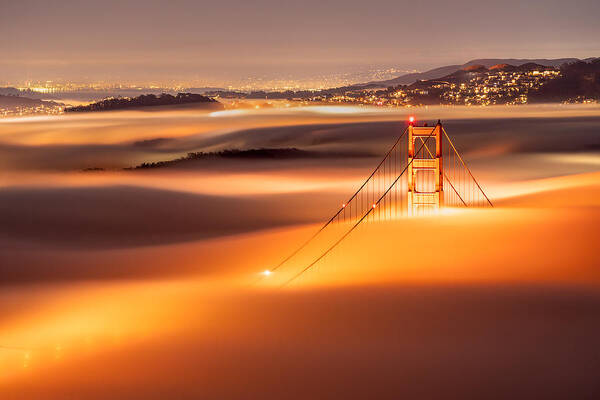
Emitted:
<point x="425" y="169"/>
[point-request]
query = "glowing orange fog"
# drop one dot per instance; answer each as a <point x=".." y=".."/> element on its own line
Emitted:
<point x="491" y="246"/>
<point x="179" y="312"/>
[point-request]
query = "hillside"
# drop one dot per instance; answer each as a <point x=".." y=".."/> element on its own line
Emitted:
<point x="468" y="72"/>
<point x="440" y="72"/>
<point x="17" y="101"/>
<point x="145" y="100"/>
<point x="578" y="81"/>
<point x="232" y="154"/>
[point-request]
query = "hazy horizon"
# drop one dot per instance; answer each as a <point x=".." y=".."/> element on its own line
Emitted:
<point x="232" y="41"/>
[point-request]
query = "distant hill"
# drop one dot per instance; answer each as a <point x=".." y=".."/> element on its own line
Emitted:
<point x="440" y="72"/>
<point x="264" y="153"/>
<point x="466" y="73"/>
<point x="502" y="66"/>
<point x="17" y="101"/>
<point x="10" y="91"/>
<point x="578" y="81"/>
<point x="145" y="100"/>
<point x="89" y="94"/>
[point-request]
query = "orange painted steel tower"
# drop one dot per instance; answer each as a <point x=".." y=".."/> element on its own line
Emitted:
<point x="425" y="169"/>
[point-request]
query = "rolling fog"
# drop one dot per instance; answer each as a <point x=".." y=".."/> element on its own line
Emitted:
<point x="145" y="283"/>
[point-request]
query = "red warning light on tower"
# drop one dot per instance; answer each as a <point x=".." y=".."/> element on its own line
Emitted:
<point x="411" y="120"/>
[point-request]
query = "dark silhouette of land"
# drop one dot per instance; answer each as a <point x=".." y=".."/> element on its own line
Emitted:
<point x="232" y="154"/>
<point x="290" y="153"/>
<point x="466" y="73"/>
<point x="145" y="100"/>
<point x="578" y="81"/>
<point x="12" y="101"/>
<point x="439" y="72"/>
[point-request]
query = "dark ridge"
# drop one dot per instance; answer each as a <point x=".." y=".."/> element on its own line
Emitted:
<point x="475" y="68"/>
<point x="263" y="153"/>
<point x="145" y="100"/>
<point x="502" y="67"/>
<point x="438" y="73"/>
<point x="578" y="81"/>
<point x="533" y="67"/>
<point x="11" y="101"/>
<point x="250" y="154"/>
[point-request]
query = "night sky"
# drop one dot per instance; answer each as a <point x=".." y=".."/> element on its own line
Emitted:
<point x="190" y="39"/>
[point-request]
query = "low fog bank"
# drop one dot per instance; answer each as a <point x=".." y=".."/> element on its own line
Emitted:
<point x="129" y="216"/>
<point x="133" y="233"/>
<point x="124" y="224"/>
<point x="126" y="140"/>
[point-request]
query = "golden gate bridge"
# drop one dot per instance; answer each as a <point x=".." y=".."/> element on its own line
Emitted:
<point x="420" y="174"/>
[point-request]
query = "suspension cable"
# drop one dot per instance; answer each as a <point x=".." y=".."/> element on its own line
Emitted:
<point x="444" y="172"/>
<point x="357" y="223"/>
<point x="342" y="208"/>
<point x="467" y="168"/>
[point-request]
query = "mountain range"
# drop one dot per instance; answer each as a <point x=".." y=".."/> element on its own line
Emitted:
<point x="466" y="73"/>
<point x="144" y="100"/>
<point x="440" y="72"/>
<point x="11" y="101"/>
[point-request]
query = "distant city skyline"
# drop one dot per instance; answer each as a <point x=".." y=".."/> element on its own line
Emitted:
<point x="229" y="41"/>
<point x="272" y="79"/>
